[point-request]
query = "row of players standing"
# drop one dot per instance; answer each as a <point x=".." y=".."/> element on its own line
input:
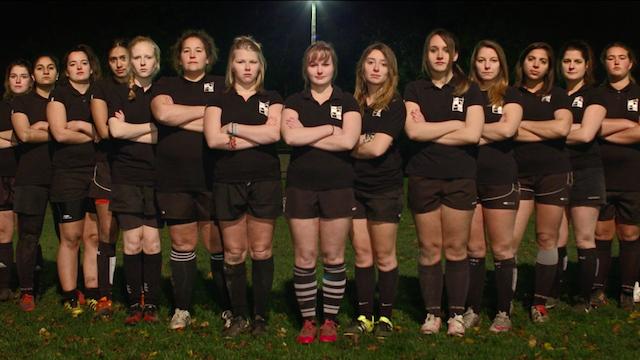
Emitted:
<point x="444" y="116"/>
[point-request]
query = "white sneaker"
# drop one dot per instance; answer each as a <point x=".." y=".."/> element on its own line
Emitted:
<point x="226" y="316"/>
<point x="456" y="326"/>
<point x="636" y="292"/>
<point x="180" y="320"/>
<point x="501" y="323"/>
<point x="470" y="319"/>
<point x="431" y="325"/>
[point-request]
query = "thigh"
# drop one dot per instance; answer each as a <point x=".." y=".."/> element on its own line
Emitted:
<point x="548" y="220"/>
<point x="525" y="209"/>
<point x="305" y="235"/>
<point x="333" y="236"/>
<point x="184" y="236"/>
<point x="6" y="226"/>
<point x="260" y="234"/>
<point x="477" y="246"/>
<point x="456" y="225"/>
<point x="383" y="240"/>
<point x="584" y="219"/>
<point x="429" y="232"/>
<point x="500" y="224"/>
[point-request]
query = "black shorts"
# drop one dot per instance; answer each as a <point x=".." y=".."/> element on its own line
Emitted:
<point x="261" y="199"/>
<point x="133" y="199"/>
<point x="101" y="181"/>
<point x="623" y="206"/>
<point x="588" y="188"/>
<point x="31" y="199"/>
<point x="504" y="196"/>
<point x="185" y="206"/>
<point x="72" y="210"/>
<point x="383" y="206"/>
<point x="71" y="184"/>
<point x="6" y="192"/>
<point x="551" y="189"/>
<point x="427" y="194"/>
<point x="134" y="221"/>
<point x="326" y="204"/>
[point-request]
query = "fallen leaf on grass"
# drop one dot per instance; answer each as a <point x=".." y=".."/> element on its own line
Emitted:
<point x="44" y="333"/>
<point x="282" y="332"/>
<point x="204" y="324"/>
<point x="634" y="315"/>
<point x="548" y="346"/>
<point x="615" y="328"/>
<point x="469" y="341"/>
<point x="532" y="342"/>
<point x="372" y="347"/>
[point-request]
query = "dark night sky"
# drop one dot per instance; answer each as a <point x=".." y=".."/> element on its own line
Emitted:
<point x="284" y="28"/>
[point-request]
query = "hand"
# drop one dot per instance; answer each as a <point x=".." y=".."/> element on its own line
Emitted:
<point x="119" y="115"/>
<point x="417" y="116"/>
<point x="293" y="123"/>
<point x="483" y="141"/>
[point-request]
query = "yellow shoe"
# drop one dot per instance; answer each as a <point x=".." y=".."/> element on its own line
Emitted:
<point x="92" y="304"/>
<point x="73" y="308"/>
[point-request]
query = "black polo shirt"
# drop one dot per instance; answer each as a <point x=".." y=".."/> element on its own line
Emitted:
<point x="438" y="161"/>
<point x="586" y="155"/>
<point x="496" y="162"/>
<point x="107" y="90"/>
<point x="8" y="163"/>
<point x="315" y="169"/>
<point x="384" y="172"/>
<point x="621" y="162"/>
<point x="180" y="154"/>
<point x="34" y="159"/>
<point x="69" y="156"/>
<point x="132" y="162"/>
<point x="548" y="156"/>
<point x="255" y="164"/>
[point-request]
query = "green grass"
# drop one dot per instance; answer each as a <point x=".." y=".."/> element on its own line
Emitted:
<point x="49" y="333"/>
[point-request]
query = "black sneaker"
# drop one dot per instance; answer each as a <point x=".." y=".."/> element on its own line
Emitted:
<point x="259" y="326"/>
<point x="383" y="328"/>
<point x="239" y="325"/>
<point x="626" y="302"/>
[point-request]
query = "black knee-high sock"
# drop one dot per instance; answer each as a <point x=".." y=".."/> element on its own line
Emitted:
<point x="152" y="278"/>
<point x="183" y="269"/>
<point x="603" y="251"/>
<point x="431" y="281"/>
<point x="133" y="277"/>
<point x="587" y="263"/>
<point x="545" y="272"/>
<point x="477" y="274"/>
<point x="365" y="288"/>
<point x="216" y="262"/>
<point x="505" y="283"/>
<point x="558" y="282"/>
<point x="262" y="277"/>
<point x="629" y="253"/>
<point x="105" y="252"/>
<point x="456" y="277"/>
<point x="387" y="288"/>
<point x="29" y="230"/>
<point x="6" y="262"/>
<point x="334" y="282"/>
<point x="306" y="288"/>
<point x="236" y="277"/>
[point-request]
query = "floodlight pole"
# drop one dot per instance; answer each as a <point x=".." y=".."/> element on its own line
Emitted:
<point x="313" y="22"/>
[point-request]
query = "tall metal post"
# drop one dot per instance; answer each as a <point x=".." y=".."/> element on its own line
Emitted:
<point x="313" y="22"/>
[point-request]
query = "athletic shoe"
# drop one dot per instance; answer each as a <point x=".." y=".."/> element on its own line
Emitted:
<point x="626" y="302"/>
<point x="92" y="303"/>
<point x="134" y="316"/>
<point x="431" y="325"/>
<point x="383" y="328"/>
<point x="239" y="325"/>
<point x="598" y="298"/>
<point x="539" y="314"/>
<point x="455" y="326"/>
<point x="180" y="320"/>
<point x="81" y="299"/>
<point x="259" y="326"/>
<point x="329" y="331"/>
<point x="6" y="294"/>
<point x="150" y="313"/>
<point x="73" y="307"/>
<point x="308" y="332"/>
<point x="470" y="319"/>
<point x="584" y="307"/>
<point x="501" y="323"/>
<point x="104" y="307"/>
<point x="359" y="326"/>
<point x="636" y="292"/>
<point x="227" y="316"/>
<point x="27" y="302"/>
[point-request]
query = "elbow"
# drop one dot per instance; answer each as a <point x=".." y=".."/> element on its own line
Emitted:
<point x="509" y="132"/>
<point x="412" y="135"/>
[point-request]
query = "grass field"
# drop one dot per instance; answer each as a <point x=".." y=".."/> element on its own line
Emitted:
<point x="50" y="333"/>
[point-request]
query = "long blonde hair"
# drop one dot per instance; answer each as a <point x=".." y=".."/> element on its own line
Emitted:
<point x="497" y="87"/>
<point x="383" y="96"/>
<point x="156" y="55"/>
<point x="246" y="43"/>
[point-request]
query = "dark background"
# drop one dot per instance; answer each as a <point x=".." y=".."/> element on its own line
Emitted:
<point x="283" y="28"/>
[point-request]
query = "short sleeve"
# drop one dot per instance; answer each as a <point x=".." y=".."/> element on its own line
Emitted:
<point x="393" y="120"/>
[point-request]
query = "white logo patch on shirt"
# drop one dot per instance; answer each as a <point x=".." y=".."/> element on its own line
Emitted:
<point x="457" y="104"/>
<point x="546" y="99"/>
<point x="632" y="105"/>
<point x="336" y="112"/>
<point x="209" y="87"/>
<point x="496" y="109"/>
<point x="263" y="108"/>
<point x="377" y="113"/>
<point x="578" y="102"/>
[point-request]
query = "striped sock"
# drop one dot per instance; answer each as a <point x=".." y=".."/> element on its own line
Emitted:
<point x="183" y="268"/>
<point x="334" y="282"/>
<point x="306" y="286"/>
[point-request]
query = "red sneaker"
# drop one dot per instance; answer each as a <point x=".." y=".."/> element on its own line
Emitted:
<point x="27" y="302"/>
<point x="329" y="331"/>
<point x="80" y="297"/>
<point x="104" y="307"/>
<point x="308" y="333"/>
<point x="150" y="314"/>
<point x="134" y="316"/>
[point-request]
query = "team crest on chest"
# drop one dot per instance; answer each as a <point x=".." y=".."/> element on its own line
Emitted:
<point x="546" y="99"/>
<point x="263" y="108"/>
<point x="496" y="109"/>
<point x="209" y="87"/>
<point x="578" y="102"/>
<point x="336" y="112"/>
<point x="377" y="113"/>
<point x="632" y="105"/>
<point x="457" y="104"/>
